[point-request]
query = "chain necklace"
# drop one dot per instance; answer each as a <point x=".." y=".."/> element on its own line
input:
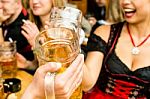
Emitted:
<point x="135" y="50"/>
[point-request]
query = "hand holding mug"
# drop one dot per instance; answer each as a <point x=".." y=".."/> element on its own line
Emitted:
<point x="65" y="83"/>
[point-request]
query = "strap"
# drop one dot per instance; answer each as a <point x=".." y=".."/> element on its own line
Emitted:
<point x="114" y="35"/>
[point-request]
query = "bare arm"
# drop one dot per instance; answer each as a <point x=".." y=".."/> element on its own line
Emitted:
<point x="93" y="62"/>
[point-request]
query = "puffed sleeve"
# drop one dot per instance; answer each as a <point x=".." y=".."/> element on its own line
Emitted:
<point x="96" y="43"/>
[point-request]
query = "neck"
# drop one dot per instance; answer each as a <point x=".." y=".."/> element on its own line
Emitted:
<point x="44" y="18"/>
<point x="139" y="29"/>
<point x="14" y="16"/>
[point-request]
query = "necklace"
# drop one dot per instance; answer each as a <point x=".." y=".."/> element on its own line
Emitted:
<point x="135" y="50"/>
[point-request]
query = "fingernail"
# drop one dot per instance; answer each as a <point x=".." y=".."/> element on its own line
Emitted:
<point x="24" y="21"/>
<point x="58" y="65"/>
<point x="46" y="27"/>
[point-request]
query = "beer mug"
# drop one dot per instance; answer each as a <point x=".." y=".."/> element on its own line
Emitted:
<point x="8" y="63"/>
<point x="60" y="43"/>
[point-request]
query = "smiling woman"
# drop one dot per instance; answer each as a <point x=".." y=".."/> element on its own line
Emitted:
<point x="39" y="15"/>
<point x="113" y="71"/>
<point x="40" y="11"/>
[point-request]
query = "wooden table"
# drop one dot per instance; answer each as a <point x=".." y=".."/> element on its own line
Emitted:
<point x="26" y="79"/>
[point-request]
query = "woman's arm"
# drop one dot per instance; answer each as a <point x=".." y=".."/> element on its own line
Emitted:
<point x="22" y="62"/>
<point x="92" y="69"/>
<point x="93" y="62"/>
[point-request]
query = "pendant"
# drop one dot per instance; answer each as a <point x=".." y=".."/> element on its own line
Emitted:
<point x="135" y="51"/>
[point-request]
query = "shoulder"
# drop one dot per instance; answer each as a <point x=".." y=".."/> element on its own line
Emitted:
<point x="103" y="31"/>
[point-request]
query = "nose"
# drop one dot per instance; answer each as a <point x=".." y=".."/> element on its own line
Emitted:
<point x="126" y="1"/>
<point x="35" y="1"/>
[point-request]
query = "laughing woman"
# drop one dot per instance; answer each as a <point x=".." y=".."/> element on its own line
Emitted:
<point x="117" y="64"/>
<point x="39" y="15"/>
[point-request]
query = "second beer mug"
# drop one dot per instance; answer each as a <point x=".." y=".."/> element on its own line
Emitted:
<point x="8" y="63"/>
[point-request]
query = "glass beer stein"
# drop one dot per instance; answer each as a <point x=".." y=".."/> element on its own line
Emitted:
<point x="60" y="43"/>
<point x="8" y="62"/>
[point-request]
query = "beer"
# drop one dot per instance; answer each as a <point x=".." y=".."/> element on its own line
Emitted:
<point x="8" y="63"/>
<point x="9" y="67"/>
<point x="61" y="51"/>
<point x="56" y="46"/>
<point x="59" y="45"/>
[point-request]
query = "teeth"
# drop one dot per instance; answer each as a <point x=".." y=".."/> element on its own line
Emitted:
<point x="128" y="10"/>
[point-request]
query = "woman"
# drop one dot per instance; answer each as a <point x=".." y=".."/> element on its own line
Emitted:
<point x="39" y="15"/>
<point x="117" y="64"/>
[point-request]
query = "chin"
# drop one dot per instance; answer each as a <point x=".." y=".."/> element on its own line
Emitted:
<point x="129" y="20"/>
<point x="132" y="21"/>
<point x="36" y="13"/>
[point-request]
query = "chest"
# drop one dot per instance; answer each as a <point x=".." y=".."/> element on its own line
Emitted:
<point x="124" y="50"/>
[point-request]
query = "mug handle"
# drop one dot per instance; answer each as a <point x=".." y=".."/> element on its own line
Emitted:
<point x="49" y="85"/>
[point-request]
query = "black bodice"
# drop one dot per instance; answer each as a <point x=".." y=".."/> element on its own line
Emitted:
<point x="114" y="68"/>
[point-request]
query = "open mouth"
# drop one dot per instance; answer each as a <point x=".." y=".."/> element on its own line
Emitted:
<point x="129" y="12"/>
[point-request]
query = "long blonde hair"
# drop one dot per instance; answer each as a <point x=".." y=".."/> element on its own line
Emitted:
<point x="113" y="11"/>
<point x="32" y="17"/>
<point x="35" y="19"/>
